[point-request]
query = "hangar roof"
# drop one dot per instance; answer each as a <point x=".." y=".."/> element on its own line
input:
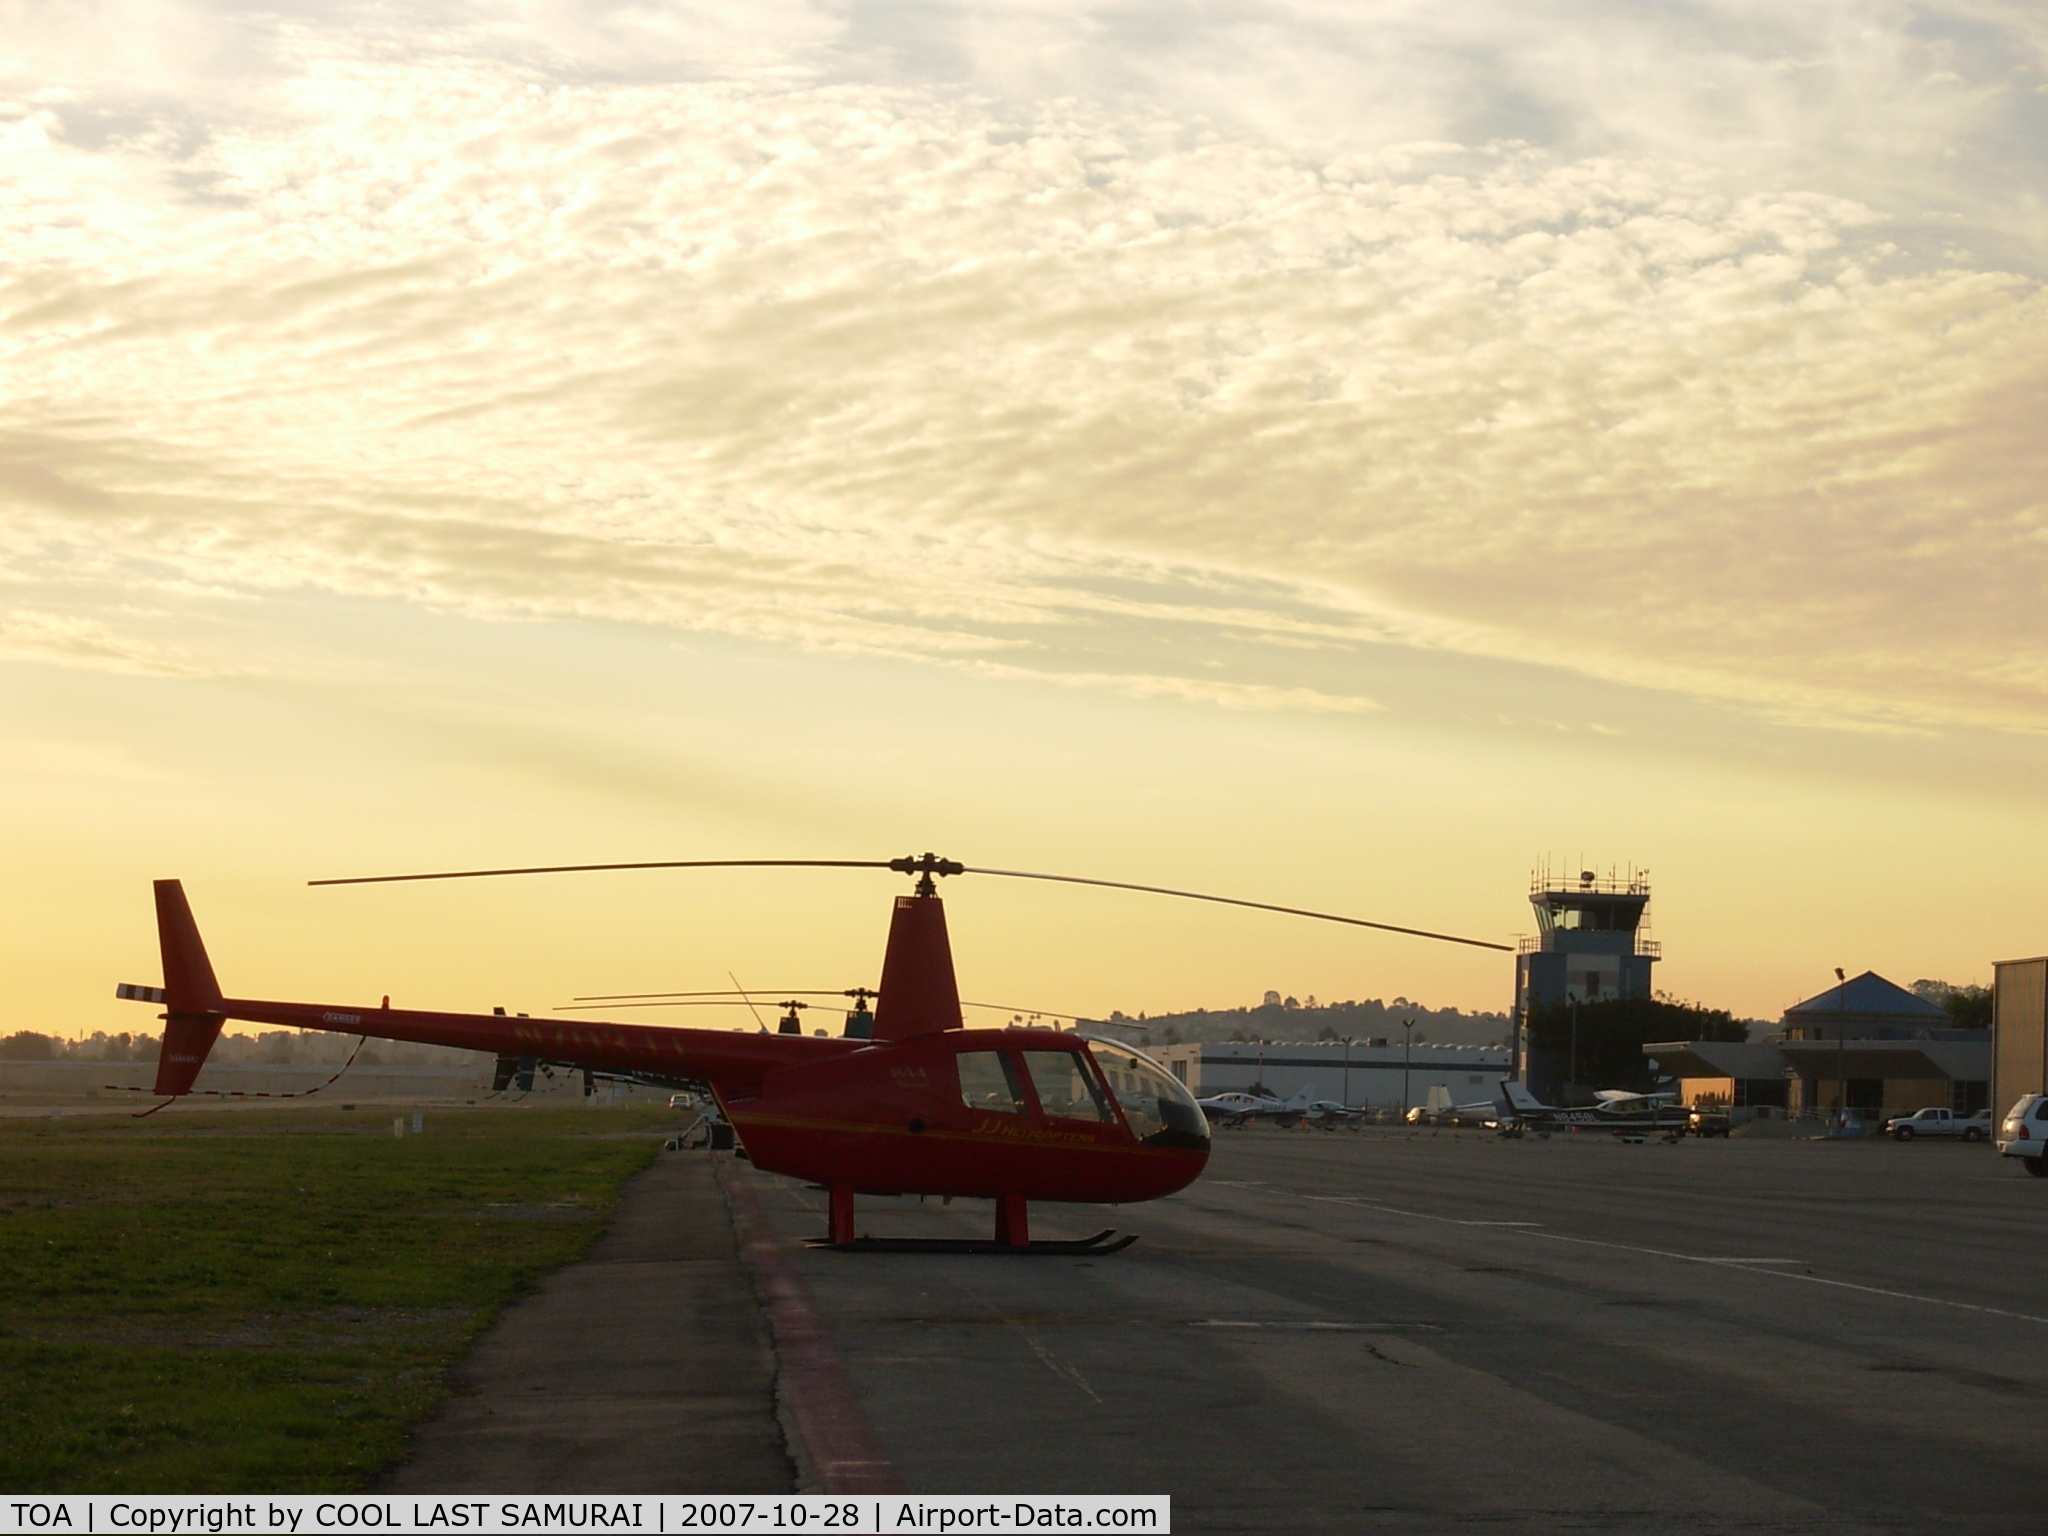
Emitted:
<point x="1966" y="1060"/>
<point x="1867" y="995"/>
<point x="1717" y="1058"/>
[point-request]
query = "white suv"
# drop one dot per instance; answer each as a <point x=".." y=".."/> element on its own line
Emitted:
<point x="2025" y="1134"/>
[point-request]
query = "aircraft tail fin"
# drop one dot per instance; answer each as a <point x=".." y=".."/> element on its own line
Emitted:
<point x="1519" y="1097"/>
<point x="192" y="1000"/>
<point x="919" y="994"/>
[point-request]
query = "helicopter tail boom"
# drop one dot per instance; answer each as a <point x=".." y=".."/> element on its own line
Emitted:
<point x="195" y="1010"/>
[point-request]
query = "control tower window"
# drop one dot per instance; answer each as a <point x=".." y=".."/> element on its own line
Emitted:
<point x="1596" y="916"/>
<point x="988" y="1082"/>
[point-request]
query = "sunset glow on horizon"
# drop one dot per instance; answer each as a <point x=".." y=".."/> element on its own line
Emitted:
<point x="1338" y="456"/>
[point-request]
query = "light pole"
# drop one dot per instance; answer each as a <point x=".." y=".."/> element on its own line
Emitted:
<point x="1841" y="1051"/>
<point x="1407" y="1055"/>
<point x="1347" y="1071"/>
<point x="1572" y="1071"/>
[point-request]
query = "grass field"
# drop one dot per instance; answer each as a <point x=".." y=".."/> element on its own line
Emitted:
<point x="268" y="1301"/>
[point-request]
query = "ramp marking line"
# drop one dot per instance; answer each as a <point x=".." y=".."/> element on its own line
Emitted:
<point x="1527" y="1229"/>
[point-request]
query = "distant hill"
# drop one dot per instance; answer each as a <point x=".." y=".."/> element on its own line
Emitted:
<point x="1286" y="1019"/>
<point x="271" y="1048"/>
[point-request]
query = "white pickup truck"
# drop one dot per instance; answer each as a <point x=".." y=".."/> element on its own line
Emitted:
<point x="1939" y="1122"/>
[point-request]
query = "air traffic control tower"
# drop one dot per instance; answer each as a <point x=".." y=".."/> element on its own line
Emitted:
<point x="1590" y="946"/>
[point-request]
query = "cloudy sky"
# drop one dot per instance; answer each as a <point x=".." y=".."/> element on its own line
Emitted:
<point x="1337" y="453"/>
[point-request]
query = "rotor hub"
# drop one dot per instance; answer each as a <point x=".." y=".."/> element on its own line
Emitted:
<point x="925" y="866"/>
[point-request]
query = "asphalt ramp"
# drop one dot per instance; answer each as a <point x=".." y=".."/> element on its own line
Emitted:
<point x="644" y="1368"/>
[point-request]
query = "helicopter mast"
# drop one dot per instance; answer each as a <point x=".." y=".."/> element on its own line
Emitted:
<point x="919" y="993"/>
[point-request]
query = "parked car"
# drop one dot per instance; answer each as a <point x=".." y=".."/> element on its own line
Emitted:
<point x="1708" y="1120"/>
<point x="2025" y="1134"/>
<point x="1939" y="1122"/>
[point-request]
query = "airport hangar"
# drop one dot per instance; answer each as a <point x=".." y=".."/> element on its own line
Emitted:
<point x="2019" y="1030"/>
<point x="1867" y="1042"/>
<point x="1353" y="1072"/>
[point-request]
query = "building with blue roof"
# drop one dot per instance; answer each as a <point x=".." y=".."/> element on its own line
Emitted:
<point x="1869" y="1008"/>
<point x="1865" y="1045"/>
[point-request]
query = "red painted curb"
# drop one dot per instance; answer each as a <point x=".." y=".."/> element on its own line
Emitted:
<point x="837" y="1438"/>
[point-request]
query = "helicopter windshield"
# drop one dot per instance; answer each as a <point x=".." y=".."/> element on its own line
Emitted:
<point x="1067" y="1090"/>
<point x="1161" y="1112"/>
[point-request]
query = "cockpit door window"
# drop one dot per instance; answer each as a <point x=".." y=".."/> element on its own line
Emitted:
<point x="989" y="1083"/>
<point x="1066" y="1089"/>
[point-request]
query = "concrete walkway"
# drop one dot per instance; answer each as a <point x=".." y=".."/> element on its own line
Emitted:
<point x="646" y="1368"/>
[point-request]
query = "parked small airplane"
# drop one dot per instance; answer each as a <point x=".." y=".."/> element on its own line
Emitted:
<point x="1437" y="1109"/>
<point x="1236" y="1108"/>
<point x="1328" y="1112"/>
<point x="1479" y="1112"/>
<point x="1616" y="1110"/>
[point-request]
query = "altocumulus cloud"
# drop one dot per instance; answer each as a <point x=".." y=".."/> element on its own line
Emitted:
<point x="805" y="343"/>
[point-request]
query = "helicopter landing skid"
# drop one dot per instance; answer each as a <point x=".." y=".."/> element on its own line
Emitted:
<point x="1105" y="1241"/>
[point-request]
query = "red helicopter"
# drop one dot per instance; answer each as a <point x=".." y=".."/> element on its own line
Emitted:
<point x="909" y="1101"/>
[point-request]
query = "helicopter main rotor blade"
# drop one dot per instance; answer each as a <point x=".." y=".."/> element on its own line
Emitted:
<point x="928" y="866"/>
<point x="1026" y="1013"/>
<point x="578" y="869"/>
<point x="1237" y="901"/>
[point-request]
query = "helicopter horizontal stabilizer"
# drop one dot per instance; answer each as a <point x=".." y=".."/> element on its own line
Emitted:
<point x="513" y="1069"/>
<point x="192" y="999"/>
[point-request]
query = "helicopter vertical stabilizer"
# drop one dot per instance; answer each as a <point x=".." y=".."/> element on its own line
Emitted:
<point x="919" y="994"/>
<point x="192" y="1000"/>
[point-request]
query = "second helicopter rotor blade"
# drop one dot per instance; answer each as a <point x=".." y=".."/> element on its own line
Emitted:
<point x="628" y="997"/>
<point x="1238" y="901"/>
